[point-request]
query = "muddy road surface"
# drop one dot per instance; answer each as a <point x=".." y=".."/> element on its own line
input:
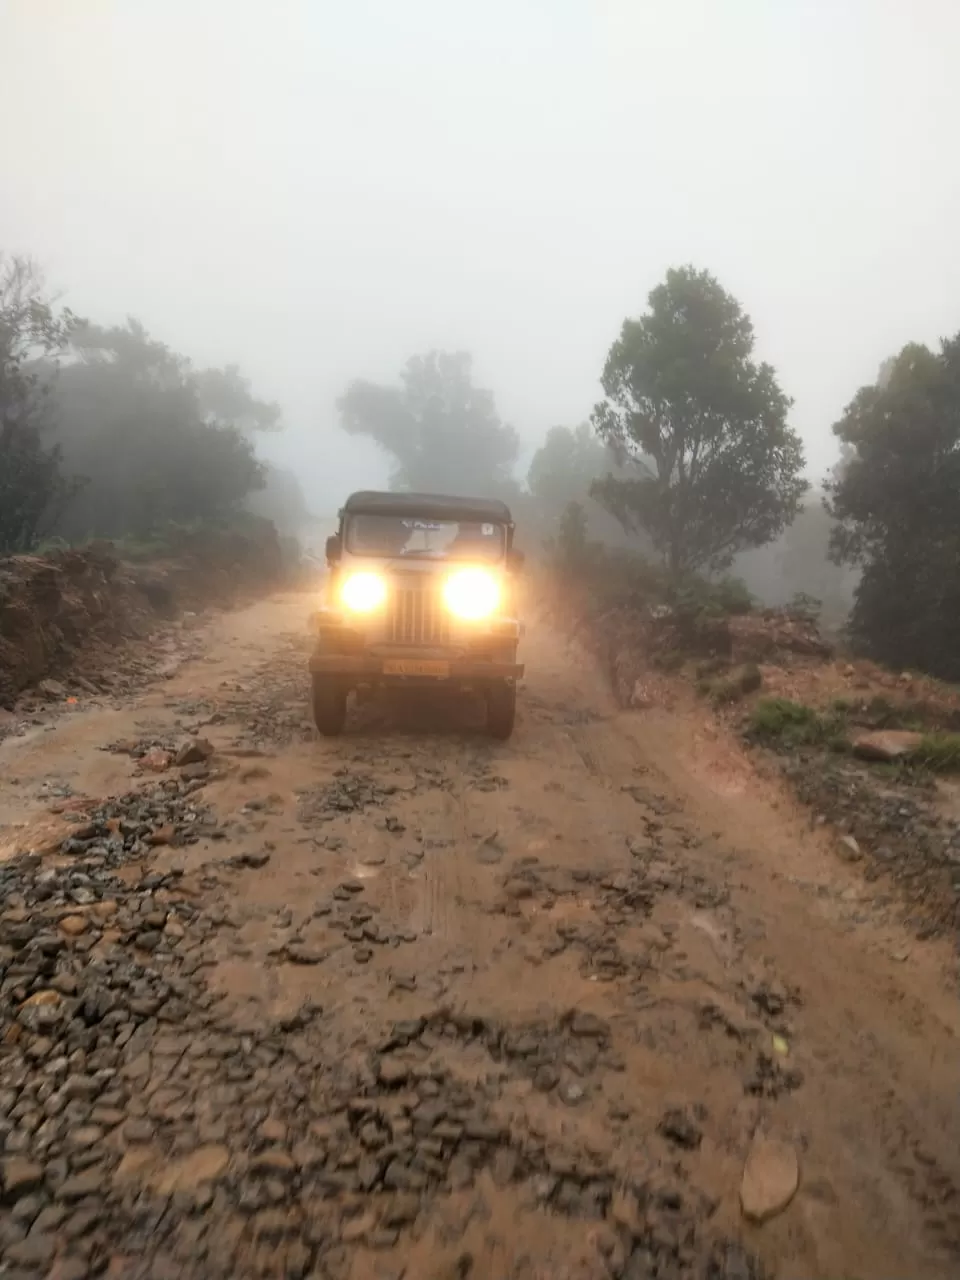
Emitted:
<point x="597" y="1002"/>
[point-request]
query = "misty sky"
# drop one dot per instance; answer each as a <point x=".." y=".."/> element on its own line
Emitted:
<point x="317" y="190"/>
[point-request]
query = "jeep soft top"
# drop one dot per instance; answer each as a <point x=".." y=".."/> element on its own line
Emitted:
<point x="430" y="506"/>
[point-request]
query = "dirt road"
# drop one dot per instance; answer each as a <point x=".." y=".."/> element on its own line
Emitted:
<point x="412" y="1004"/>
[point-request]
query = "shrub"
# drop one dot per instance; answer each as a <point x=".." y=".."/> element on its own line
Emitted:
<point x="745" y="680"/>
<point x="939" y="752"/>
<point x="782" y="723"/>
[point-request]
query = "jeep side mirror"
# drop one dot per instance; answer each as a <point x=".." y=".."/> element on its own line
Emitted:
<point x="515" y="560"/>
<point x="334" y="548"/>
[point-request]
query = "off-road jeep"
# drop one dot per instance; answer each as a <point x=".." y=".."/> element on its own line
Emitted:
<point x="421" y="591"/>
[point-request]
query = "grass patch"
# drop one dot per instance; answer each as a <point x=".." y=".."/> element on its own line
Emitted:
<point x="737" y="685"/>
<point x="779" y="722"/>
<point x="938" y="752"/>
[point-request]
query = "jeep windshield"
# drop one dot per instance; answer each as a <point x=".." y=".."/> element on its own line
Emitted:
<point x="409" y="536"/>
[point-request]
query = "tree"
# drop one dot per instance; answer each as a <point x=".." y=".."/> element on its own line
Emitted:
<point x="226" y="399"/>
<point x="564" y="467"/>
<point x="704" y="428"/>
<point x="563" y="471"/>
<point x="573" y="539"/>
<point x="897" y="501"/>
<point x="559" y="477"/>
<point x="442" y="432"/>
<point x="33" y="488"/>
<point x="131" y="419"/>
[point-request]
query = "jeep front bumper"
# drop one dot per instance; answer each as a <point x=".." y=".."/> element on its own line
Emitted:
<point x="407" y="666"/>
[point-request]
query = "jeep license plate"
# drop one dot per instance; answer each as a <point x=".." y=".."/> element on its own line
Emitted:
<point x="416" y="667"/>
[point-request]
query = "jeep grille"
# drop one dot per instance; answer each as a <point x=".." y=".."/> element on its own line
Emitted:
<point x="416" y="614"/>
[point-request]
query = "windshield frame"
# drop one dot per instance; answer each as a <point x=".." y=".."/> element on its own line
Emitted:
<point x="436" y="557"/>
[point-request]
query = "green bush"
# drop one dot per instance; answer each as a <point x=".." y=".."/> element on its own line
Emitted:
<point x="805" y="606"/>
<point x="939" y="752"/>
<point x="782" y="723"/>
<point x="698" y="598"/>
<point x="745" y="680"/>
<point x="732" y="597"/>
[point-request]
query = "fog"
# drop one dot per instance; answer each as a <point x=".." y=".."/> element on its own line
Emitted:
<point x="317" y="191"/>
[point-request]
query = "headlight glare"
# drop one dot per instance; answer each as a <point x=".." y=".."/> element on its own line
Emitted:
<point x="472" y="594"/>
<point x="363" y="592"/>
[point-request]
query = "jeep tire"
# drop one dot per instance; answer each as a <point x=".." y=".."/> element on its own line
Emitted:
<point x="329" y="705"/>
<point x="501" y="709"/>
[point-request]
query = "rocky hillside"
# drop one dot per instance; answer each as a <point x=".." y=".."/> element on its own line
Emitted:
<point x="57" y="609"/>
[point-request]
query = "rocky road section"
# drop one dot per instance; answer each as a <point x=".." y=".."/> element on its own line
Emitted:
<point x="70" y="620"/>
<point x="415" y="1006"/>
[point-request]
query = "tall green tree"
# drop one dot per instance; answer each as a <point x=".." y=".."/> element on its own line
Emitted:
<point x="440" y="430"/>
<point x="564" y="471"/>
<point x="33" y="488"/>
<point x="226" y="399"/>
<point x="897" y="501"/>
<point x="703" y="426"/>
<point x="565" y="466"/>
<point x="132" y="420"/>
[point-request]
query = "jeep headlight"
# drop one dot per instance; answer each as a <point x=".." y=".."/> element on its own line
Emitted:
<point x="472" y="594"/>
<point x="363" y="592"/>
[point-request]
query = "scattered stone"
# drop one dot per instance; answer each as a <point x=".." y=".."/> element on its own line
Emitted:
<point x="357" y="1228"/>
<point x="300" y="953"/>
<point x="588" y="1025"/>
<point x="81" y="1185"/>
<point x="196" y="751"/>
<point x="156" y="760"/>
<point x="275" y="1163"/>
<point x="162" y="836"/>
<point x="391" y="1072"/>
<point x="19" y="1176"/>
<point x="640" y="698"/>
<point x="491" y="849"/>
<point x="517" y="890"/>
<point x="138" y="1131"/>
<point x="680" y="1127"/>
<point x="887" y="745"/>
<point x="252" y="861"/>
<point x="68" y="1268"/>
<point x="272" y="1131"/>
<point x="546" y="1077"/>
<point x="36" y="1251"/>
<point x="73" y="926"/>
<point x="771" y="1176"/>
<point x="571" y="1093"/>
<point x="191" y="1172"/>
<point x="849" y="849"/>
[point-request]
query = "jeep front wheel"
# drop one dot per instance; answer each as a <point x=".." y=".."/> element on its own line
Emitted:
<point x="329" y="706"/>
<point x="501" y="709"/>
